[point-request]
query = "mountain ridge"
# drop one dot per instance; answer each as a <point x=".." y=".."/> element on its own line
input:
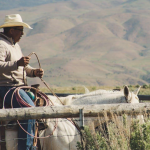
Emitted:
<point x="88" y="42"/>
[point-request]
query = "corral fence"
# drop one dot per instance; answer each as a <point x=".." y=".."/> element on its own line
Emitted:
<point x="77" y="111"/>
<point x="73" y="111"/>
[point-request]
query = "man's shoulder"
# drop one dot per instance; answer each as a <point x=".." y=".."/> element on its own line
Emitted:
<point x="3" y="40"/>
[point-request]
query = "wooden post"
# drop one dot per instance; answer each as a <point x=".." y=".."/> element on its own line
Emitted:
<point x="73" y="111"/>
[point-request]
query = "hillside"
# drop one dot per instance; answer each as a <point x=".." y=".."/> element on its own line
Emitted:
<point x="83" y="42"/>
<point x="5" y="5"/>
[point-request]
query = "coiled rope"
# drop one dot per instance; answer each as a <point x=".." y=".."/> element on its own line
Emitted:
<point x="20" y="101"/>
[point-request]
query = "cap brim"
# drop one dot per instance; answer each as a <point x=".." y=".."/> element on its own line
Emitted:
<point x="13" y="24"/>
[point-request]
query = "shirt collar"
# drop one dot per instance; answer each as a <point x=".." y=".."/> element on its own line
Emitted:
<point x="7" y="38"/>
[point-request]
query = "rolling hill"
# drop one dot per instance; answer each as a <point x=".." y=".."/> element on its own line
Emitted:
<point x="83" y="42"/>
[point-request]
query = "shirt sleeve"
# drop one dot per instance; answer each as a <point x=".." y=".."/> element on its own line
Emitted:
<point x="29" y="71"/>
<point x="6" y="66"/>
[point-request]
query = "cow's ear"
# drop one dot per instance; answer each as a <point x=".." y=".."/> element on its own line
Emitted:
<point x="130" y="96"/>
<point x="86" y="90"/>
<point x="138" y="90"/>
<point x="127" y="94"/>
<point x="126" y="91"/>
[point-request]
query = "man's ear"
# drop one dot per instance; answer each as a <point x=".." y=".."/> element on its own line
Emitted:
<point x="11" y="31"/>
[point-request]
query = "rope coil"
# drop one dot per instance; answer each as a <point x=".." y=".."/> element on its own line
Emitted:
<point x="20" y="101"/>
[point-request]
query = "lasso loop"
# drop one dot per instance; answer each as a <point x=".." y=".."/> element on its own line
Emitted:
<point x="20" y="101"/>
<point x="42" y="79"/>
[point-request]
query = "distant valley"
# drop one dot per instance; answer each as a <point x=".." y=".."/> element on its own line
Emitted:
<point x="83" y="42"/>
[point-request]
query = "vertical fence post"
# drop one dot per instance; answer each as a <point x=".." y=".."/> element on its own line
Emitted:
<point x="81" y="116"/>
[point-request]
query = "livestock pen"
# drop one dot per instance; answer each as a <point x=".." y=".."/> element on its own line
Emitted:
<point x="46" y="112"/>
<point x="73" y="111"/>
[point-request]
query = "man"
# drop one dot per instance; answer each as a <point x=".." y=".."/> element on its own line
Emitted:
<point x="13" y="70"/>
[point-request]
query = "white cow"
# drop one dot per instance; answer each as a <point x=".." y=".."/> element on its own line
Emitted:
<point x="100" y="97"/>
<point x="65" y="136"/>
<point x="107" y="97"/>
<point x="68" y="99"/>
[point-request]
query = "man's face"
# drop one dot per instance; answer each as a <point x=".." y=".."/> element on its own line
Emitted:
<point x="17" y="33"/>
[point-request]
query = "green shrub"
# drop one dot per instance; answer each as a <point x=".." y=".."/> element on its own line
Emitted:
<point x="121" y="135"/>
<point x="117" y="87"/>
<point x="140" y="136"/>
<point x="145" y="86"/>
<point x="93" y="88"/>
<point x="73" y="88"/>
<point x="92" y="142"/>
<point x="130" y="86"/>
<point x="137" y="86"/>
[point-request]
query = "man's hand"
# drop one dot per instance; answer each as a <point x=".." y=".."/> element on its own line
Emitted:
<point x="39" y="73"/>
<point x="24" y="61"/>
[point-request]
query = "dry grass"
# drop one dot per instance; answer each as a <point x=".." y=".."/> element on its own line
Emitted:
<point x="123" y="133"/>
